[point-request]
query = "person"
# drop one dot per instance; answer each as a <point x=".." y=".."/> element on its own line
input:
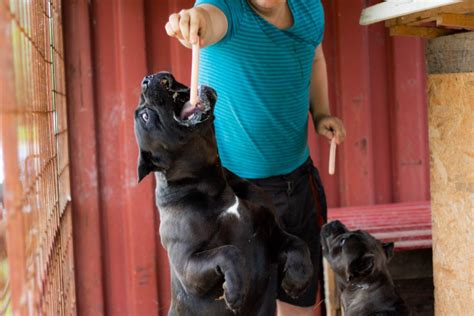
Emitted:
<point x="266" y="62"/>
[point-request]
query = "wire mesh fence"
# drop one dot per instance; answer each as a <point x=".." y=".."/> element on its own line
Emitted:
<point x="36" y="209"/>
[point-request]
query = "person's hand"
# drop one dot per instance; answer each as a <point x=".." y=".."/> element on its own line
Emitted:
<point x="330" y="126"/>
<point x="187" y="25"/>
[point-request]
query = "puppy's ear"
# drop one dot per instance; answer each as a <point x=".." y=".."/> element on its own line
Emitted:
<point x="388" y="249"/>
<point x="361" y="267"/>
<point x="145" y="166"/>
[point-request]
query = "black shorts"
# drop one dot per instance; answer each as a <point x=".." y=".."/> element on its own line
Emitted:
<point x="300" y="203"/>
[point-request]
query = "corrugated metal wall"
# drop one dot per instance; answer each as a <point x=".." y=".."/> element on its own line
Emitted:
<point x="374" y="87"/>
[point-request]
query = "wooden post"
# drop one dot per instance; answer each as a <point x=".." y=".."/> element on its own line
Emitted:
<point x="451" y="135"/>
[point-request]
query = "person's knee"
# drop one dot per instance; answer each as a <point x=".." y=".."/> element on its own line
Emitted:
<point x="285" y="309"/>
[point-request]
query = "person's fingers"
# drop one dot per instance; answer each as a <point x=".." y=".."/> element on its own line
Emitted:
<point x="168" y="29"/>
<point x="337" y="135"/>
<point x="332" y="127"/>
<point x="336" y="126"/>
<point x="326" y="131"/>
<point x="194" y="25"/>
<point x="184" y="18"/>
<point x="174" y="25"/>
<point x="328" y="134"/>
<point x="185" y="43"/>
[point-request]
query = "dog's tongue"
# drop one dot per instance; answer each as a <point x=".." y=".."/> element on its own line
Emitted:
<point x="188" y="110"/>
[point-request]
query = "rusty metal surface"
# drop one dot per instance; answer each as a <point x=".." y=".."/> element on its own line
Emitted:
<point x="36" y="162"/>
<point x="115" y="236"/>
<point x="84" y="173"/>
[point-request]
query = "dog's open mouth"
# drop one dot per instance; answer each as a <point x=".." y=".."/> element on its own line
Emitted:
<point x="187" y="114"/>
<point x="165" y="92"/>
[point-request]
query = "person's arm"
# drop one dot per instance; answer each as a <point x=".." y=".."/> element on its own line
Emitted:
<point x="205" y="20"/>
<point x="324" y="123"/>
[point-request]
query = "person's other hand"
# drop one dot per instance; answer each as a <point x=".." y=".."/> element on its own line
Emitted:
<point x="187" y="25"/>
<point x="330" y="126"/>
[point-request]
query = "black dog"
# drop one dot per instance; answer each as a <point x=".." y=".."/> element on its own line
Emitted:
<point x="359" y="262"/>
<point x="223" y="239"/>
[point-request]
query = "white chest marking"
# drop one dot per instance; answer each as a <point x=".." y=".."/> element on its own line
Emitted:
<point x="233" y="209"/>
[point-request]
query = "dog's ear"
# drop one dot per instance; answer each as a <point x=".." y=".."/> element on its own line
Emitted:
<point x="361" y="267"/>
<point x="388" y="248"/>
<point x="145" y="166"/>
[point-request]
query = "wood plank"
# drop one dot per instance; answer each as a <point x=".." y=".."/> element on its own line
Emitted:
<point x="451" y="122"/>
<point x="356" y="155"/>
<point x="418" y="31"/>
<point x="333" y="303"/>
<point x="380" y="89"/>
<point x="413" y="244"/>
<point x="394" y="9"/>
<point x="453" y="20"/>
<point x="409" y="121"/>
<point x="464" y="7"/>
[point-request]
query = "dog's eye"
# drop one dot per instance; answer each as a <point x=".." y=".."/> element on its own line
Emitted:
<point x="165" y="83"/>
<point x="145" y="116"/>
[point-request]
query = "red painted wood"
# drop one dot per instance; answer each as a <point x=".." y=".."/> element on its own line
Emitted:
<point x="391" y="171"/>
<point x="84" y="161"/>
<point x="406" y="224"/>
<point x="181" y="56"/>
<point x="128" y="210"/>
<point x="356" y="155"/>
<point x="157" y="41"/>
<point x="319" y="146"/>
<point x="378" y="72"/>
<point x="409" y="121"/>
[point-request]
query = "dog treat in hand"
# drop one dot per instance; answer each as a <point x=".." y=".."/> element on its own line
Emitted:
<point x="332" y="156"/>
<point x="194" y="97"/>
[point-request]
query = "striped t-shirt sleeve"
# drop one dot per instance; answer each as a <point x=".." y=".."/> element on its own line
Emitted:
<point x="232" y="9"/>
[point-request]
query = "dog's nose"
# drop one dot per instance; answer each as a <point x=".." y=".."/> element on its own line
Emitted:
<point x="145" y="84"/>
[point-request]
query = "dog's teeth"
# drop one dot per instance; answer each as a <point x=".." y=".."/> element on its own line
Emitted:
<point x="175" y="95"/>
<point x="191" y="117"/>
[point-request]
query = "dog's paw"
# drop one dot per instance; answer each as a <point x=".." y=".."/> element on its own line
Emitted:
<point x="297" y="275"/>
<point x="234" y="298"/>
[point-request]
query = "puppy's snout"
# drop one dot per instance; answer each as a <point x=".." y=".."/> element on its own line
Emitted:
<point x="333" y="228"/>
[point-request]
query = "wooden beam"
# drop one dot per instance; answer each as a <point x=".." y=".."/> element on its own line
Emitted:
<point x="464" y="7"/>
<point x="418" y="31"/>
<point x="332" y="295"/>
<point x="456" y="21"/>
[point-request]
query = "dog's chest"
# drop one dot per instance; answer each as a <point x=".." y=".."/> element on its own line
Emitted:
<point x="229" y="225"/>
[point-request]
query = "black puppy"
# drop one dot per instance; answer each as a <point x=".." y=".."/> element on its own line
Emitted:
<point x="223" y="239"/>
<point x="359" y="262"/>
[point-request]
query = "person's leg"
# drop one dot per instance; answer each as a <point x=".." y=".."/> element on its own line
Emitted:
<point x="285" y="309"/>
<point x="300" y="203"/>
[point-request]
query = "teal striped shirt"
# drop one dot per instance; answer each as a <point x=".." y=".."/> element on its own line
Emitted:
<point x="262" y="77"/>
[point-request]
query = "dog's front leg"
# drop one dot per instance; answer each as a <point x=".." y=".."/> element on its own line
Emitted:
<point x="294" y="260"/>
<point x="204" y="270"/>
